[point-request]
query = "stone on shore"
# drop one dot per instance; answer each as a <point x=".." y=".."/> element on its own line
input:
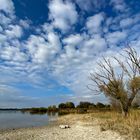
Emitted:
<point x="64" y="126"/>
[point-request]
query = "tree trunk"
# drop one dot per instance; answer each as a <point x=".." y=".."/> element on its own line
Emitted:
<point x="125" y="112"/>
<point x="125" y="109"/>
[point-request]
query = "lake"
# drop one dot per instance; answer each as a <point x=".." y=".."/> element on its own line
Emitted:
<point x="18" y="119"/>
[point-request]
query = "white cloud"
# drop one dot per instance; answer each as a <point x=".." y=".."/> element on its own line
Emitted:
<point x="2" y="38"/>
<point x="93" y="23"/>
<point x="7" y="6"/>
<point x="5" y="20"/>
<point x="116" y="37"/>
<point x="1" y="29"/>
<point x="12" y="54"/>
<point x="5" y="89"/>
<point x="47" y="27"/>
<point x="42" y="50"/>
<point x="24" y="23"/>
<point x="119" y="5"/>
<point x="73" y="40"/>
<point x="54" y="41"/>
<point x="63" y="14"/>
<point x="126" y="22"/>
<point x="14" y="31"/>
<point x="90" y="5"/>
<point x="94" y="45"/>
<point x="130" y="21"/>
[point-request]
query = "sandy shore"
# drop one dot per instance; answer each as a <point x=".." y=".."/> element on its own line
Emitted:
<point x="81" y="128"/>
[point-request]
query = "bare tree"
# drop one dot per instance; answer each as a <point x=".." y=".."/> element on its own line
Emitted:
<point x="121" y="83"/>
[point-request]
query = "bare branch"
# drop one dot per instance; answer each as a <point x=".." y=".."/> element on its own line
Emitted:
<point x="114" y="84"/>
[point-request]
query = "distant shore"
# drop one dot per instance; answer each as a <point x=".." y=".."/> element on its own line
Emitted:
<point x="81" y="127"/>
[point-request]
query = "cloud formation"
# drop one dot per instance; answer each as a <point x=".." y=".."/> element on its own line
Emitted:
<point x="7" y="6"/>
<point x="63" y="51"/>
<point x="63" y="14"/>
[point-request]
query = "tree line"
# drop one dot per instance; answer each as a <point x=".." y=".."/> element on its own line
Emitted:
<point x="68" y="107"/>
<point x="82" y="107"/>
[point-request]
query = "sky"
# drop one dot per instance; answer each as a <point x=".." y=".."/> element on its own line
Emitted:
<point x="48" y="48"/>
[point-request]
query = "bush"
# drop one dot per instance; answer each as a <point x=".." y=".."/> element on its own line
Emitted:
<point x="40" y="110"/>
<point x="62" y="106"/>
<point x="66" y="105"/>
<point x="100" y="105"/>
<point x="52" y="108"/>
<point x="70" y="105"/>
<point x="85" y="105"/>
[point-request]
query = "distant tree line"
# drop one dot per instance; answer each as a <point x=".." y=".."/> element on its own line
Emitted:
<point x="86" y="105"/>
<point x="70" y="107"/>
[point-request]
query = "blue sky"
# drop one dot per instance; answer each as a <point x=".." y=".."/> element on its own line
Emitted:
<point x="48" y="48"/>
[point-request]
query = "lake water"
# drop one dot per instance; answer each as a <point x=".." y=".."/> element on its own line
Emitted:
<point x="17" y="119"/>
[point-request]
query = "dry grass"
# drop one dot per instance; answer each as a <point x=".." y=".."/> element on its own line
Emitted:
<point x="128" y="127"/>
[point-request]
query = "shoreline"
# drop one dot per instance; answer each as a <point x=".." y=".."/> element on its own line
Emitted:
<point x="81" y="127"/>
<point x="50" y="124"/>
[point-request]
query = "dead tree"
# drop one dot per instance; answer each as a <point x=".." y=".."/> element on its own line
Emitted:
<point x="121" y="83"/>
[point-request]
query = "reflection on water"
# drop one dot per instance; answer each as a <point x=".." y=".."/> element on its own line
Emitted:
<point x="18" y="119"/>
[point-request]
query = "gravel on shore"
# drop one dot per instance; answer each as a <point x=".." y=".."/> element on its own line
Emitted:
<point x="81" y="130"/>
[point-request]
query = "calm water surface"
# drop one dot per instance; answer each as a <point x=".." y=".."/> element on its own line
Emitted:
<point x="17" y="119"/>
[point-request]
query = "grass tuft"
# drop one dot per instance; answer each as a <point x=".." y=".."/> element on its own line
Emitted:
<point x="127" y="126"/>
